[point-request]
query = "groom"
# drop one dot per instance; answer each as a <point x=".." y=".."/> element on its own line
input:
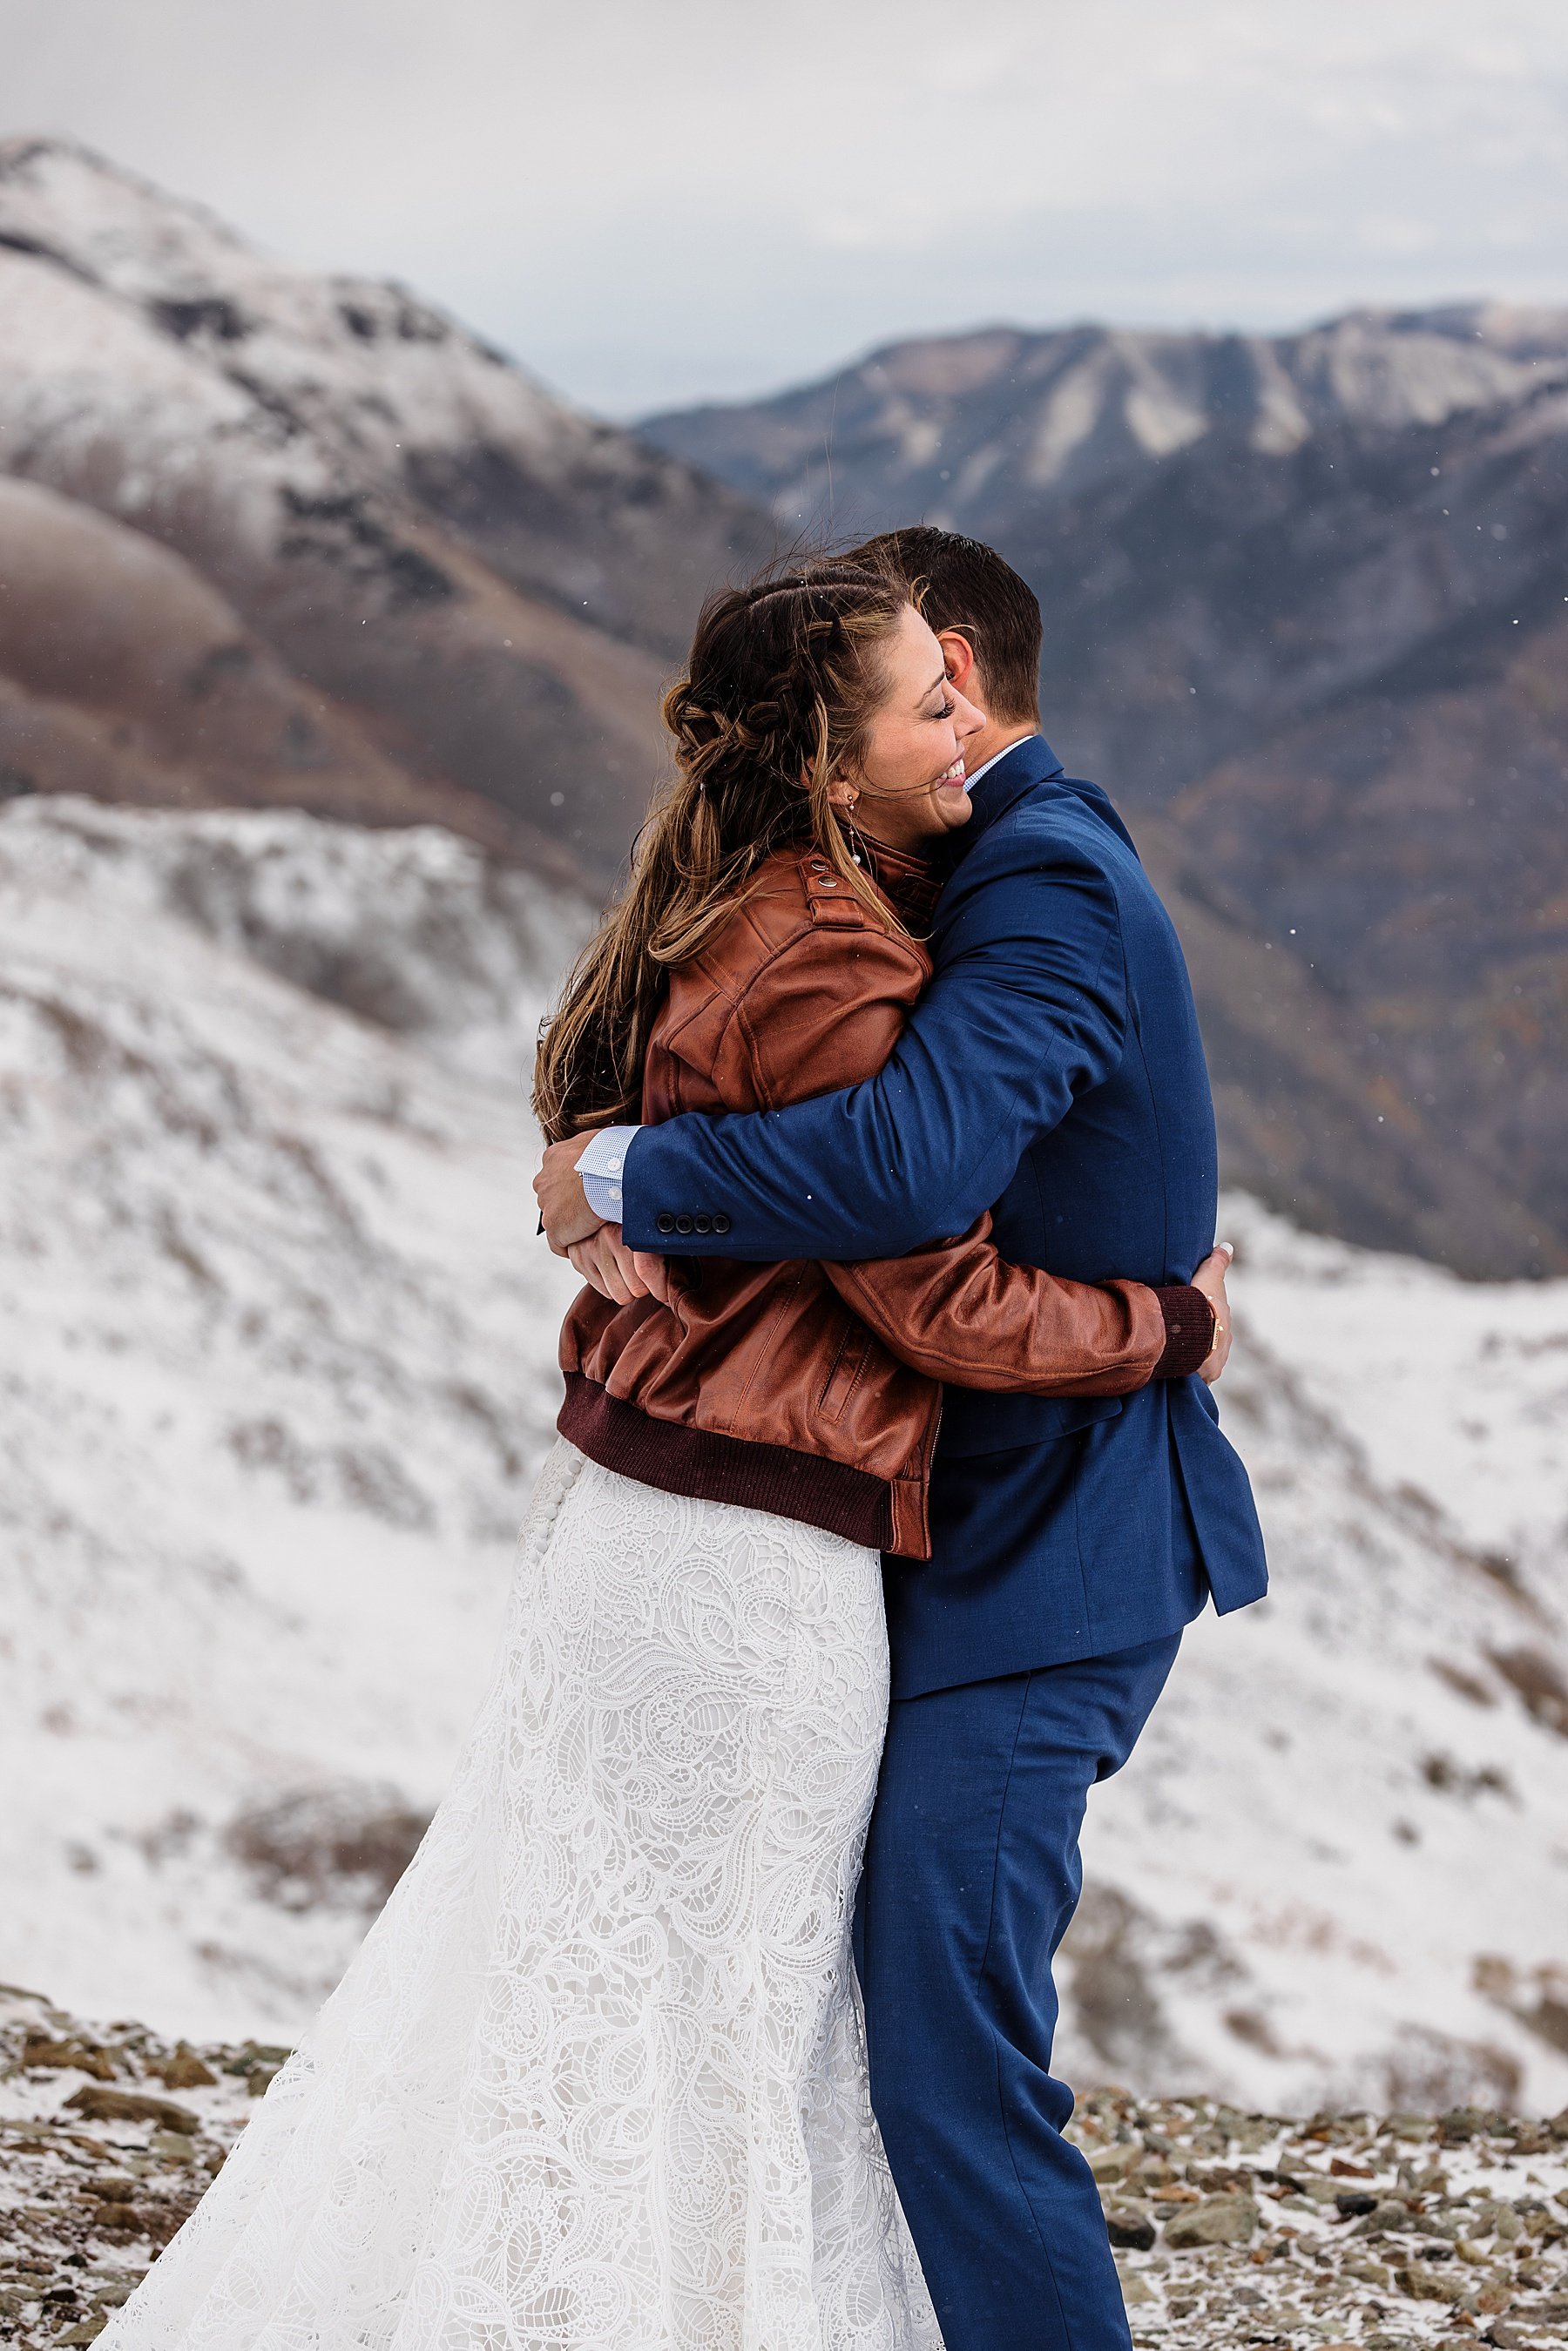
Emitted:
<point x="1052" y="1073"/>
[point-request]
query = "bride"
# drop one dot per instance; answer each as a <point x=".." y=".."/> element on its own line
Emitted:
<point x="596" y="2080"/>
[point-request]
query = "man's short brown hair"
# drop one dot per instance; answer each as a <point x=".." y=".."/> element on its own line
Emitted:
<point x="961" y="584"/>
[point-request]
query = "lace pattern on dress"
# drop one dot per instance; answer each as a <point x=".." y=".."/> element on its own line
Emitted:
<point x="596" y="2080"/>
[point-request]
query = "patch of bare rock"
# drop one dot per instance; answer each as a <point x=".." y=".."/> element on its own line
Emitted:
<point x="1379" y="2232"/>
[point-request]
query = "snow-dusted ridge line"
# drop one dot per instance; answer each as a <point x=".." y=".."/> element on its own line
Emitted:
<point x="372" y="363"/>
<point x="306" y="541"/>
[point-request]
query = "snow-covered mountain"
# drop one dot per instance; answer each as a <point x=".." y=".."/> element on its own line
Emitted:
<point x="971" y="430"/>
<point x="278" y="1363"/>
<point x="273" y="538"/>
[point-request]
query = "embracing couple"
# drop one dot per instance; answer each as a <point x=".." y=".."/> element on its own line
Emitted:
<point x="881" y="1135"/>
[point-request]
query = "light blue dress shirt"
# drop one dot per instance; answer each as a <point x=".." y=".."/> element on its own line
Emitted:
<point x="600" y="1167"/>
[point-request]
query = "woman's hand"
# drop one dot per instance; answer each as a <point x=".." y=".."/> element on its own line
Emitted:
<point x="607" y="1265"/>
<point x="1210" y="1278"/>
<point x="618" y="1273"/>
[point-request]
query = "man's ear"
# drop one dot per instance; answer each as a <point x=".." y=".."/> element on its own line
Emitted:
<point x="958" y="655"/>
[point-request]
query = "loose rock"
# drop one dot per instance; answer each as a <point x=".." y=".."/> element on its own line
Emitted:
<point x="1217" y="2221"/>
<point x="128" y="2106"/>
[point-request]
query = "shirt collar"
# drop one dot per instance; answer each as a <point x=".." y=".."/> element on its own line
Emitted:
<point x="1006" y="749"/>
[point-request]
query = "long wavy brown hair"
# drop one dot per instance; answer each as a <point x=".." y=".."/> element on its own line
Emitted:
<point x="782" y="681"/>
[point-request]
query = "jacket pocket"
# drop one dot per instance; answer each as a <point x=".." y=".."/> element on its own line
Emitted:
<point x="848" y="1362"/>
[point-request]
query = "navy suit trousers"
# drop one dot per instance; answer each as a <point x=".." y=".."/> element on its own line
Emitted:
<point x="971" y="1877"/>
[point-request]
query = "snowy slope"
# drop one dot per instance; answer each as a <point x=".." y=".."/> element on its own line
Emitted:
<point x="277" y="1365"/>
<point x="1337" y="1869"/>
<point x="279" y="1342"/>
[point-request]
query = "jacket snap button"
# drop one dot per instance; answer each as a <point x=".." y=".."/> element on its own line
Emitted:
<point x="683" y="1224"/>
<point x="667" y="1223"/>
<point x="721" y="1224"/>
<point x="702" y="1224"/>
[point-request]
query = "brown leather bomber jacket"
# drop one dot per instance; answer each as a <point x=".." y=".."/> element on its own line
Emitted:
<point x="815" y="1390"/>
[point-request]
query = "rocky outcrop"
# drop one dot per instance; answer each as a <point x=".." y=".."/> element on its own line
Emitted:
<point x="1306" y="607"/>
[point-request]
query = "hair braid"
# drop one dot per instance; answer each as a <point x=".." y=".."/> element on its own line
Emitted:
<point x="779" y="688"/>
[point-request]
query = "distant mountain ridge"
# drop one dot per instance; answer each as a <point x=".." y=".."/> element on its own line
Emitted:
<point x="967" y="428"/>
<point x="271" y="537"/>
<point x="1306" y="608"/>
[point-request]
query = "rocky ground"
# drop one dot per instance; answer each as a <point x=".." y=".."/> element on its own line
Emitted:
<point x="107" y="2138"/>
<point x="1387" y="2233"/>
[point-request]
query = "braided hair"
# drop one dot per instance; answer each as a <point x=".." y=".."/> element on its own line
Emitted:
<point x="782" y="681"/>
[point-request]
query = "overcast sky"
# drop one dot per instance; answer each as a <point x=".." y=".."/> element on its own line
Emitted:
<point x="652" y="202"/>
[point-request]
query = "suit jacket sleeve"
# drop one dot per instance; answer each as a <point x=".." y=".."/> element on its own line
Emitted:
<point x="1027" y="1010"/>
<point x="957" y="1311"/>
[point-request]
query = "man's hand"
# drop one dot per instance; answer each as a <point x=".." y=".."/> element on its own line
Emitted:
<point x="563" y="1203"/>
<point x="1210" y="1278"/>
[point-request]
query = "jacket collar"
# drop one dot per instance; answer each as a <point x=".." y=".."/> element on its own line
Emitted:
<point x="911" y="883"/>
<point x="1005" y="783"/>
<point x="1024" y="769"/>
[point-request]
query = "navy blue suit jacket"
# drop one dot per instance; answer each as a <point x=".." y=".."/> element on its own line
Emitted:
<point x="1053" y="1072"/>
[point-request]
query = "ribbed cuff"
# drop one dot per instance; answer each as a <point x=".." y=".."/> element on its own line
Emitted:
<point x="1190" y="1331"/>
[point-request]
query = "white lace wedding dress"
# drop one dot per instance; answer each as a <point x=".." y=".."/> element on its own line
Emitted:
<point x="596" y="2081"/>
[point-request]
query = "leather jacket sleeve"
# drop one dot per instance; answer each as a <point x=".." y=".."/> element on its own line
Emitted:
<point x="961" y="1313"/>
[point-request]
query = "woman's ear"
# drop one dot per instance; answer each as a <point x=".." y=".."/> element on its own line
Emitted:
<point x="959" y="657"/>
<point x="842" y="795"/>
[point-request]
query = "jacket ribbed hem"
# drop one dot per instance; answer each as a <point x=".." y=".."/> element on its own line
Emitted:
<point x="676" y="1460"/>
<point x="1190" y="1331"/>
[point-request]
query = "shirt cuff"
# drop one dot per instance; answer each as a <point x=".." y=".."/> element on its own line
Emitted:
<point x="1190" y="1331"/>
<point x="600" y="1167"/>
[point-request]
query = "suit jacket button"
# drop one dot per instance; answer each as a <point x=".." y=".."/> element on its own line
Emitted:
<point x="702" y="1224"/>
<point x="683" y="1224"/>
<point x="665" y="1222"/>
<point x="721" y="1224"/>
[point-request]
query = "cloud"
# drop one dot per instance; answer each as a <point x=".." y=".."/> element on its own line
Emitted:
<point x="650" y="203"/>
